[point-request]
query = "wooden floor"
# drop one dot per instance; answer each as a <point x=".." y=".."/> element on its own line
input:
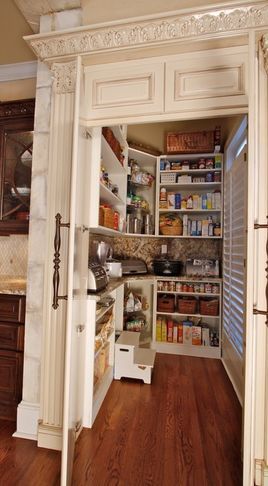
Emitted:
<point x="183" y="430"/>
<point x="22" y="463"/>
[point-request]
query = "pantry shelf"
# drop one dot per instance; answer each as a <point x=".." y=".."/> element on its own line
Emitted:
<point x="196" y="294"/>
<point x="109" y="197"/>
<point x="192" y="211"/>
<point x="196" y="185"/>
<point x="190" y="171"/>
<point x="187" y="350"/>
<point x="187" y="315"/>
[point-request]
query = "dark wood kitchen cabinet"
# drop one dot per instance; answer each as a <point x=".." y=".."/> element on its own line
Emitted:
<point x="16" y="141"/>
<point x="12" y="318"/>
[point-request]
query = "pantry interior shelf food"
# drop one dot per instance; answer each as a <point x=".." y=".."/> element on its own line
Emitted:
<point x="187" y="317"/>
<point x="189" y="196"/>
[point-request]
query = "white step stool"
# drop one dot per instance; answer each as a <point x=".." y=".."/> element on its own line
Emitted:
<point x="132" y="361"/>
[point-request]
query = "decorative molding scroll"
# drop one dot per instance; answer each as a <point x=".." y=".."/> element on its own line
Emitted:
<point x="264" y="45"/>
<point x="64" y="76"/>
<point x="19" y="108"/>
<point x="146" y="32"/>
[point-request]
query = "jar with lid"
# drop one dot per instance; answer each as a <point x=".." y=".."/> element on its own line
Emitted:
<point x="163" y="194"/>
<point x="185" y="287"/>
<point x="165" y="286"/>
<point x="202" y="288"/>
<point x="160" y="285"/>
<point x="178" y="286"/>
<point x="171" y="286"/>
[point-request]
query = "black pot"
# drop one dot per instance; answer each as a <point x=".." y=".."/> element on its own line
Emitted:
<point x="167" y="267"/>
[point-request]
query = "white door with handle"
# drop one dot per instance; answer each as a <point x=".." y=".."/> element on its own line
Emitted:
<point x="77" y="290"/>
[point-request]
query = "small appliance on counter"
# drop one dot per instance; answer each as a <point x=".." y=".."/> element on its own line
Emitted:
<point x="114" y="268"/>
<point x="130" y="267"/>
<point x="167" y="267"/>
<point x="202" y="267"/>
<point x="97" y="277"/>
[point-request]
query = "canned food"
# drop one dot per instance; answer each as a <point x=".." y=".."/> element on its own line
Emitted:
<point x="208" y="288"/>
<point x="178" y="286"/>
<point x="215" y="289"/>
<point x="202" y="288"/>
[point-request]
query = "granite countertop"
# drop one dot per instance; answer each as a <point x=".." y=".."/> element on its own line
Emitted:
<point x="12" y="285"/>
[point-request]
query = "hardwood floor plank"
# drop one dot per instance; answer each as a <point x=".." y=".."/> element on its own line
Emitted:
<point x="183" y="430"/>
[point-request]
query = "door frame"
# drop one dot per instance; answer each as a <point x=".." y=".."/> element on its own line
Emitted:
<point x="246" y="21"/>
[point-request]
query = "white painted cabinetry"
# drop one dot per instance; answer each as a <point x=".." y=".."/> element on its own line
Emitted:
<point x="104" y="316"/>
<point x="108" y="183"/>
<point x="189" y="196"/>
<point x="124" y="88"/>
<point x="187" y="317"/>
<point x="207" y="80"/>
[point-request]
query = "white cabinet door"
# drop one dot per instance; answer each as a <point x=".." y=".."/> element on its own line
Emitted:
<point x="124" y="89"/>
<point x="207" y="80"/>
<point x="77" y="295"/>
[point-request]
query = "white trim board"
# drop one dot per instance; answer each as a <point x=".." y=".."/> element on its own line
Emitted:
<point x="19" y="70"/>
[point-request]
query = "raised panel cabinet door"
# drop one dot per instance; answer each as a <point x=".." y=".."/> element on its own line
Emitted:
<point x="214" y="79"/>
<point x="12" y="308"/>
<point x="124" y="89"/>
<point x="11" y="336"/>
<point x="10" y="383"/>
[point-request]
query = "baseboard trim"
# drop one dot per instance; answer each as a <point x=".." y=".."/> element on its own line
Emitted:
<point x="233" y="383"/>
<point x="27" y="420"/>
<point x="49" y="436"/>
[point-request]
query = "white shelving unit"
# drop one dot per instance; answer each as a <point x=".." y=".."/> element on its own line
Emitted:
<point x="144" y="289"/>
<point x="103" y="156"/>
<point x="211" y="322"/>
<point x="169" y="180"/>
<point x="147" y="163"/>
<point x="99" y="358"/>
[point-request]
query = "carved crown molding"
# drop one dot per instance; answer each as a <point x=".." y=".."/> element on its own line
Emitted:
<point x="149" y="32"/>
<point x="17" y="109"/>
<point x="264" y="45"/>
<point x="64" y="74"/>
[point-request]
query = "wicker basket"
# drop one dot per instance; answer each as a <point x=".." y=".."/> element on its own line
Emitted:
<point x="187" y="306"/>
<point x="166" y="303"/>
<point x="209" y="307"/>
<point x="170" y="230"/>
<point x="191" y="142"/>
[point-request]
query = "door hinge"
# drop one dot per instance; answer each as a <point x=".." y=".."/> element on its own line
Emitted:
<point x="80" y="328"/>
<point x="245" y="156"/>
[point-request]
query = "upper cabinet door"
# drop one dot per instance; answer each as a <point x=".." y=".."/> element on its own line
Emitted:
<point x="16" y="142"/>
<point x="124" y="89"/>
<point x="212" y="79"/>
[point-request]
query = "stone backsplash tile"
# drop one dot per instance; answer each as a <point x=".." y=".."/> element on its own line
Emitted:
<point x="147" y="249"/>
<point x="13" y="255"/>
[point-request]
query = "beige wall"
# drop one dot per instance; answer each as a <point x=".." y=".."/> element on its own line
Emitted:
<point x="13" y="27"/>
<point x="17" y="90"/>
<point x="153" y="134"/>
<point x="95" y="11"/>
